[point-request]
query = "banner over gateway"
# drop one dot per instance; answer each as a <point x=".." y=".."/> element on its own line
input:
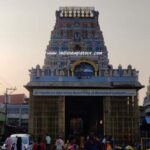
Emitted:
<point x="83" y="92"/>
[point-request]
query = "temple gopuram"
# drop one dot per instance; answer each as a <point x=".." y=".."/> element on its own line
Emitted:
<point x="77" y="91"/>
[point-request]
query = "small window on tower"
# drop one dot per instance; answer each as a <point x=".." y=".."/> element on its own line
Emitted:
<point x="77" y="47"/>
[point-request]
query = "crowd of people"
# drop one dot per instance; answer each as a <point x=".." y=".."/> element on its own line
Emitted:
<point x="90" y="142"/>
<point x="12" y="145"/>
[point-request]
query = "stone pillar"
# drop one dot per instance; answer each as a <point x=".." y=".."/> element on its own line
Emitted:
<point x="106" y="115"/>
<point x="31" y="114"/>
<point x="61" y="115"/>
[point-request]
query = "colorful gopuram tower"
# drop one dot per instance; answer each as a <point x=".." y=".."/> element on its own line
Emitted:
<point x="77" y="91"/>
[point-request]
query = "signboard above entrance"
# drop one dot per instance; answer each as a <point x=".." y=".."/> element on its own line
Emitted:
<point x="84" y="92"/>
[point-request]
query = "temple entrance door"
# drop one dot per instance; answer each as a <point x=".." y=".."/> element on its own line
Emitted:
<point x="83" y="114"/>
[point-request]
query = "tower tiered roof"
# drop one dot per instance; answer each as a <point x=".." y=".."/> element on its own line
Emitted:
<point x="77" y="30"/>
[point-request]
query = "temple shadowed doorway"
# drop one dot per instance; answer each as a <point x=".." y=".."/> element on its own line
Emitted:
<point x="83" y="114"/>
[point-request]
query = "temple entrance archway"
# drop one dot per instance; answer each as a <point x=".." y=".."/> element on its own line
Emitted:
<point x="83" y="114"/>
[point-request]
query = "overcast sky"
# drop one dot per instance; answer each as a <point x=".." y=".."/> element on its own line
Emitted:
<point x="25" y="27"/>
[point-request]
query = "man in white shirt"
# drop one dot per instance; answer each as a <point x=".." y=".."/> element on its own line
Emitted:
<point x="48" y="142"/>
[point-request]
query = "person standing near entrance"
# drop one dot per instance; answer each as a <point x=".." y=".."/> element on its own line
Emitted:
<point x="9" y="143"/>
<point x="19" y="144"/>
<point x="39" y="145"/>
<point x="48" y="141"/>
<point x="108" y="146"/>
<point x="92" y="143"/>
<point x="59" y="144"/>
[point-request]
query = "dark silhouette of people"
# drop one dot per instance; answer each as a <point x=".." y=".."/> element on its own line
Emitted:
<point x="92" y="143"/>
<point x="19" y="143"/>
<point x="39" y="145"/>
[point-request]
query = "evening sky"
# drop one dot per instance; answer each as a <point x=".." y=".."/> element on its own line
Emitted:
<point x="26" y="25"/>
